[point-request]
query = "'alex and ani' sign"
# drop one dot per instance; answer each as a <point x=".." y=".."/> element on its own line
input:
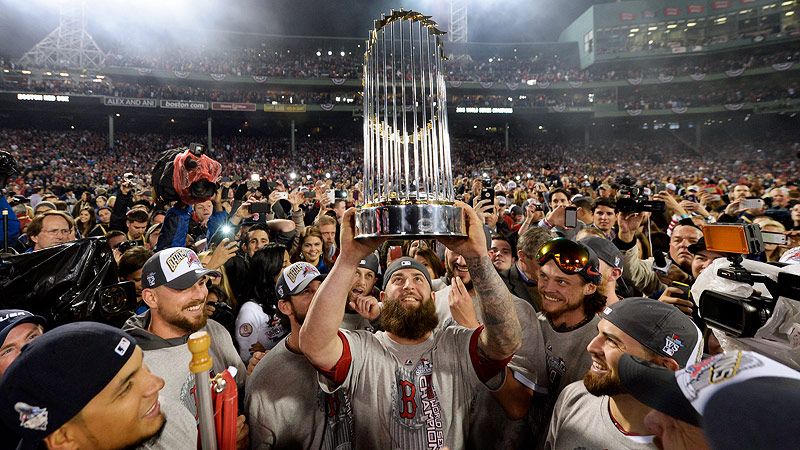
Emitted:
<point x="130" y="102"/>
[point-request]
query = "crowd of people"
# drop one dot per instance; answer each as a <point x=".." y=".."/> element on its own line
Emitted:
<point x="81" y="160"/>
<point x="561" y="334"/>
<point x="715" y="94"/>
<point x="542" y="67"/>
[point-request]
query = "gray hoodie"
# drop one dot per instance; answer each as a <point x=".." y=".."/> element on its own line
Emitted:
<point x="169" y="358"/>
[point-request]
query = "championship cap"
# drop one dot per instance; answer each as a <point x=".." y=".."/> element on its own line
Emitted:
<point x="9" y="318"/>
<point x="370" y="262"/>
<point x="177" y="268"/>
<point x="605" y="250"/>
<point x="404" y="263"/>
<point x="685" y="394"/>
<point x="57" y="374"/>
<point x="295" y="278"/>
<point x="659" y="327"/>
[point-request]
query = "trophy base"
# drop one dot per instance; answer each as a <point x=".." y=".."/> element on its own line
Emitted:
<point x="410" y="221"/>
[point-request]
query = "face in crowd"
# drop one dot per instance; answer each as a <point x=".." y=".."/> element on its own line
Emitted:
<point x="456" y="266"/>
<point x="408" y="307"/>
<point x="501" y="254"/>
<point x="363" y="282"/>
<point x="604" y="218"/>
<point x="55" y="231"/>
<point x="559" y="199"/>
<point x="183" y="311"/>
<point x="296" y="306"/>
<point x="682" y="237"/>
<point x="560" y="293"/>
<point x="328" y="235"/>
<point x="256" y="239"/>
<point x="136" y="229"/>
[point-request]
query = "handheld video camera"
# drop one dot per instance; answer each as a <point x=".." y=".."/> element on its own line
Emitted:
<point x="740" y="316"/>
<point x="632" y="198"/>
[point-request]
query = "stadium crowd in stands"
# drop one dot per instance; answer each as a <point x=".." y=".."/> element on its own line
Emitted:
<point x="541" y="67"/>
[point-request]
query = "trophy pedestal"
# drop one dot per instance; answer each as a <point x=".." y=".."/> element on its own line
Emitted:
<point x="410" y="221"/>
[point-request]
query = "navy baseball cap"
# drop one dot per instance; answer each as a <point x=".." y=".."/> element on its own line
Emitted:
<point x="177" y="268"/>
<point x="405" y="263"/>
<point x="57" y="375"/>
<point x="9" y="318"/>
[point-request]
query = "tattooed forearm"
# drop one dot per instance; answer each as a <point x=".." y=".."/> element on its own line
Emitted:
<point x="502" y="334"/>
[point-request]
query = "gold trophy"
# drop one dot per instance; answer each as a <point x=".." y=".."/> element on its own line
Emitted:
<point x="408" y="176"/>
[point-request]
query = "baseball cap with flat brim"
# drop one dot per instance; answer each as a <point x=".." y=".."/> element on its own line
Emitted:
<point x="176" y="268"/>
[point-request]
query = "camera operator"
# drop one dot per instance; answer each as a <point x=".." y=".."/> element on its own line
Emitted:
<point x="121" y="203"/>
<point x="640" y="273"/>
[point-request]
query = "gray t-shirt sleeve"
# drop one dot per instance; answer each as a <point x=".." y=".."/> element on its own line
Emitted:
<point x="528" y="363"/>
<point x="354" y="347"/>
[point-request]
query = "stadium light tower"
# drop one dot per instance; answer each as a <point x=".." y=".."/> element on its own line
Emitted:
<point x="68" y="46"/>
<point x="459" y="30"/>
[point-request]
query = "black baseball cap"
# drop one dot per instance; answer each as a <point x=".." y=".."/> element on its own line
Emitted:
<point x="685" y="394"/>
<point x="698" y="246"/>
<point x="370" y="262"/>
<point x="10" y="318"/>
<point x="177" y="268"/>
<point x="605" y="250"/>
<point x="659" y="327"/>
<point x="405" y="263"/>
<point x="296" y="278"/>
<point x="57" y="374"/>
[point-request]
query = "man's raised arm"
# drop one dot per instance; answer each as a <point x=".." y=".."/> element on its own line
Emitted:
<point x="319" y="339"/>
<point x="502" y="334"/>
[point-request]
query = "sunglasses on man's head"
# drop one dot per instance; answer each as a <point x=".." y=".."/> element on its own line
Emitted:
<point x="571" y="257"/>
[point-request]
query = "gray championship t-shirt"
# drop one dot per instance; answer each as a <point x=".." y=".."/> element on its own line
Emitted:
<point x="172" y="364"/>
<point x="583" y="421"/>
<point x="288" y="410"/>
<point x="567" y="361"/>
<point x="487" y="417"/>
<point x="411" y="396"/>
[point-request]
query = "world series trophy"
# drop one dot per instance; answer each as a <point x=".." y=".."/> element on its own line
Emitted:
<point x="408" y="177"/>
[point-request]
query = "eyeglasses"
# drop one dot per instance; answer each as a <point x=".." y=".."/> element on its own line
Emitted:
<point x="56" y="231"/>
<point x="572" y="258"/>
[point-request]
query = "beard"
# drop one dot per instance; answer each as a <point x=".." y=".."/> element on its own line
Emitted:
<point x="608" y="384"/>
<point x="185" y="323"/>
<point x="298" y="317"/>
<point x="408" y="323"/>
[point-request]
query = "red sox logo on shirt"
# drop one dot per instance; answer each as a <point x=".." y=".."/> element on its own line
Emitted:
<point x="415" y="394"/>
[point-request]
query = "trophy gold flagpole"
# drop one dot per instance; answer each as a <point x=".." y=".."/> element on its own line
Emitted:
<point x="408" y="179"/>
